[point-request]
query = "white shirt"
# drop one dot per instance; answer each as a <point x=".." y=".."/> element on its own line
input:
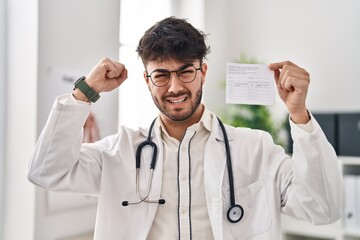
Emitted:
<point x="185" y="211"/>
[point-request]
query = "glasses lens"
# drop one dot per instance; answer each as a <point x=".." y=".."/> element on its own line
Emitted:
<point x="186" y="73"/>
<point x="160" y="77"/>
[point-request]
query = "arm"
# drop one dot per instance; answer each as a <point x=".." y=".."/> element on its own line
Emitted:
<point x="311" y="184"/>
<point x="58" y="163"/>
<point x="60" y="160"/>
<point x="311" y="188"/>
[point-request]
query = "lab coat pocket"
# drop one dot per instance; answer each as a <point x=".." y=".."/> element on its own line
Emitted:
<point x="256" y="219"/>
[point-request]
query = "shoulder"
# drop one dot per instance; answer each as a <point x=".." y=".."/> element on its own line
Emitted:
<point x="245" y="131"/>
<point x="248" y="135"/>
<point x="125" y="137"/>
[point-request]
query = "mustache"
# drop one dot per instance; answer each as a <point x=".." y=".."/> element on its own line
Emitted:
<point x="177" y="94"/>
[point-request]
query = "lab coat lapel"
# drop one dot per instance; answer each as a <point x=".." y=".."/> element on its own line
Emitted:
<point x="214" y="169"/>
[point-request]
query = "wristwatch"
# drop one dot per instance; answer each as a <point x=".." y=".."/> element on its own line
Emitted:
<point x="86" y="89"/>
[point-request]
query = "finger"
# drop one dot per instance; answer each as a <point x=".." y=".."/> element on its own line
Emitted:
<point x="119" y="68"/>
<point x="276" y="76"/>
<point x="113" y="83"/>
<point x="289" y="69"/>
<point x="293" y="84"/>
<point x="292" y="71"/>
<point x="114" y="69"/>
<point x="280" y="65"/>
<point x="123" y="76"/>
<point x="293" y="80"/>
<point x="277" y="68"/>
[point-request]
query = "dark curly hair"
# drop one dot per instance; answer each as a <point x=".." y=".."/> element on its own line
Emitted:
<point x="172" y="38"/>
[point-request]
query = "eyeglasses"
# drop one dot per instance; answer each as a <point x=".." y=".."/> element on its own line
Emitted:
<point x="185" y="73"/>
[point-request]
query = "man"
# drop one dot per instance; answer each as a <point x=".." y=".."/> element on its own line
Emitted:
<point x="192" y="192"/>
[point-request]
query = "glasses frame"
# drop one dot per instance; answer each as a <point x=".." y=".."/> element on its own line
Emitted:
<point x="174" y="71"/>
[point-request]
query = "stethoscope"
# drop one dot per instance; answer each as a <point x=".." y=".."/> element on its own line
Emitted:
<point x="235" y="212"/>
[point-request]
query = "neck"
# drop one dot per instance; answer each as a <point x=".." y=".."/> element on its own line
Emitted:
<point x="176" y="129"/>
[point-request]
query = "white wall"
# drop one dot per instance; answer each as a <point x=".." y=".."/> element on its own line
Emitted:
<point x="21" y="68"/>
<point x="194" y="11"/>
<point x="73" y="37"/>
<point x="70" y="35"/>
<point x="216" y="14"/>
<point x="134" y="93"/>
<point x="2" y="106"/>
<point x="322" y="36"/>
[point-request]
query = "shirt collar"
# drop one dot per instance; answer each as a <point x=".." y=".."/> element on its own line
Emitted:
<point x="206" y="119"/>
<point x="204" y="123"/>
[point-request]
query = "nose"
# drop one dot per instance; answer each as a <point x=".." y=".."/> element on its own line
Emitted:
<point x="175" y="85"/>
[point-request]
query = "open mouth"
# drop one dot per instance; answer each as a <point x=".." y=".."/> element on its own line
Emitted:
<point x="177" y="101"/>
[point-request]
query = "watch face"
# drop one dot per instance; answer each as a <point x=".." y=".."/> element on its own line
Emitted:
<point x="79" y="80"/>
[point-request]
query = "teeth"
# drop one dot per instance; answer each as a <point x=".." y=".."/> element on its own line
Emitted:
<point x="178" y="101"/>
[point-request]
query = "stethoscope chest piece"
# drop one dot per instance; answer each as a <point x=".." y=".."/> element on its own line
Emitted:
<point x="235" y="213"/>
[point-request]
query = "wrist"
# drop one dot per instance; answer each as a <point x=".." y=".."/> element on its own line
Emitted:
<point x="78" y="95"/>
<point x="84" y="91"/>
<point x="301" y="117"/>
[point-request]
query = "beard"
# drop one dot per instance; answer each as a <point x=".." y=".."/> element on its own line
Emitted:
<point x="180" y="115"/>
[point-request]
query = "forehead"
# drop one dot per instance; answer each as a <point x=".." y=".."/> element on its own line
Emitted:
<point x="166" y="64"/>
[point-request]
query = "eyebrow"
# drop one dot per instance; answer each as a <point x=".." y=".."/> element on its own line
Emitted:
<point x="179" y="68"/>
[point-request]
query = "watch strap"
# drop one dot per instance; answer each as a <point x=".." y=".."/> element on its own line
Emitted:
<point x="86" y="89"/>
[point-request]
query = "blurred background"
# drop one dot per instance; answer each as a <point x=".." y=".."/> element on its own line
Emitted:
<point x="45" y="45"/>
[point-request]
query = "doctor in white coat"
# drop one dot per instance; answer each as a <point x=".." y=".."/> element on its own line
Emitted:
<point x="202" y="181"/>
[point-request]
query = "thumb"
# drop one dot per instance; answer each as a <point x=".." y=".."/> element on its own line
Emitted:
<point x="276" y="68"/>
<point x="276" y="75"/>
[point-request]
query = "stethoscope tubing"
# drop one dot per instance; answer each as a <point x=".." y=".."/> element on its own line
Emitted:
<point x="235" y="212"/>
<point x="144" y="198"/>
<point x="141" y="197"/>
<point x="229" y="165"/>
<point x="148" y="142"/>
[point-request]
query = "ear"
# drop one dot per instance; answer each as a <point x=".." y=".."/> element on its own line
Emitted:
<point x="204" y="68"/>
<point x="146" y="78"/>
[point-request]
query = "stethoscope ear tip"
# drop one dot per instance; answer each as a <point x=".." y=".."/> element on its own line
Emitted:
<point x="161" y="201"/>
<point x="125" y="203"/>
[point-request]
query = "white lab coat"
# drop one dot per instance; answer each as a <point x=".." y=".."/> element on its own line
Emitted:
<point x="267" y="181"/>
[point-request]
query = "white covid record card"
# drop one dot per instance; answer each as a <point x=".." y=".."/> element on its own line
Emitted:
<point x="249" y="84"/>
